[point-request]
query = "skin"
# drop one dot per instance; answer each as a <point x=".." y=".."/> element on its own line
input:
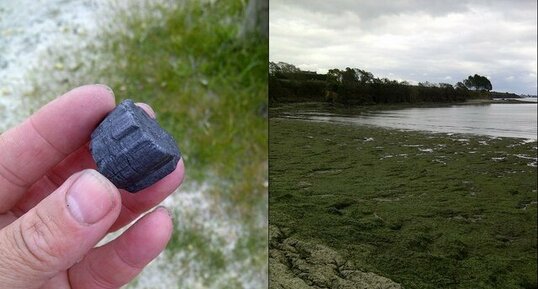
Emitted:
<point x="55" y="207"/>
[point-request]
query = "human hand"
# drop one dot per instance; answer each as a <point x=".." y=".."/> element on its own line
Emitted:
<point x="54" y="207"/>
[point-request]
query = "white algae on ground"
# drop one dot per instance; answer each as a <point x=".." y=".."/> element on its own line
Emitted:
<point x="132" y="150"/>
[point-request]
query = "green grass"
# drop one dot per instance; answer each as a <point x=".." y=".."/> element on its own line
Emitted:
<point x="207" y="86"/>
<point x="461" y="216"/>
<point x="209" y="90"/>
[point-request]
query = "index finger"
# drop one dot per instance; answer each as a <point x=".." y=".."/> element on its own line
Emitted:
<point x="30" y="149"/>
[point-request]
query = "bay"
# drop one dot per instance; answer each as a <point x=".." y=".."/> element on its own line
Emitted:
<point x="497" y="119"/>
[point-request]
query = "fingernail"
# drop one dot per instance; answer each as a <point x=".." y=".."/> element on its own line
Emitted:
<point x="90" y="197"/>
<point x="106" y="87"/>
<point x="147" y="108"/>
<point x="166" y="210"/>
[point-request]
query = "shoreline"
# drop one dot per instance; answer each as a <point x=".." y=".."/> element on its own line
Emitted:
<point x="446" y="134"/>
<point x="504" y="100"/>
<point x="278" y="105"/>
<point x="389" y="116"/>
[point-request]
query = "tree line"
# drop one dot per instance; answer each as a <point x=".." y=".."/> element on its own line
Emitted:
<point x="354" y="86"/>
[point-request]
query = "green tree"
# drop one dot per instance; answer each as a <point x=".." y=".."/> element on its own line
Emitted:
<point x="363" y="76"/>
<point x="334" y="75"/>
<point x="461" y="86"/>
<point x="478" y="82"/>
<point x="282" y="67"/>
<point x="273" y="68"/>
<point x="349" y="77"/>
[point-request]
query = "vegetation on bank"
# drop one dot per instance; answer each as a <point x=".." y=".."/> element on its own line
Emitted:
<point x="355" y="86"/>
<point x="496" y="94"/>
<point x="425" y="210"/>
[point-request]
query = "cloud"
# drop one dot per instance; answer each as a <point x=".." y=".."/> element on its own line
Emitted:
<point x="416" y="40"/>
<point x="372" y="9"/>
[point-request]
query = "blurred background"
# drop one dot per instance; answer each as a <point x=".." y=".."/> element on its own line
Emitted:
<point x="202" y="66"/>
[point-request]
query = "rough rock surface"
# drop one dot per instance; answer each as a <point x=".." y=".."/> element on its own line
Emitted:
<point x="131" y="149"/>
<point x="294" y="264"/>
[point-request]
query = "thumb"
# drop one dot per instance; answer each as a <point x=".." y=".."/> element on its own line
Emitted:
<point x="59" y="231"/>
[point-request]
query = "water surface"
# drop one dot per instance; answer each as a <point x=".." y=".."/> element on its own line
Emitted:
<point x="499" y="119"/>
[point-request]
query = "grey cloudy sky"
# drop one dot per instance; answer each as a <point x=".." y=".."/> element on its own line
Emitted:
<point x="413" y="40"/>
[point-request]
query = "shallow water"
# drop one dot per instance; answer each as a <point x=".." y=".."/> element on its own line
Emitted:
<point x="498" y="120"/>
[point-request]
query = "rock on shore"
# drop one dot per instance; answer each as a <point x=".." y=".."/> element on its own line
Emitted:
<point x="303" y="265"/>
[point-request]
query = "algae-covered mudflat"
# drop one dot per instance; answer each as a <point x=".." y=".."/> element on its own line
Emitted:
<point x="425" y="210"/>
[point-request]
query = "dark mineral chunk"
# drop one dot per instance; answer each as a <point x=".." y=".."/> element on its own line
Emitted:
<point x="131" y="149"/>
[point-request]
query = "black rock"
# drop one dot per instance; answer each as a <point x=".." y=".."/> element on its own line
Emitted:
<point x="131" y="149"/>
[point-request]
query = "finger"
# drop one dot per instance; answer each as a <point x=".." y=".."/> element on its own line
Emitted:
<point x="77" y="161"/>
<point x="133" y="205"/>
<point x="30" y="149"/>
<point x="80" y="160"/>
<point x="58" y="232"/>
<point x="119" y="261"/>
<point x="59" y="281"/>
<point x="6" y="219"/>
<point x="147" y="108"/>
